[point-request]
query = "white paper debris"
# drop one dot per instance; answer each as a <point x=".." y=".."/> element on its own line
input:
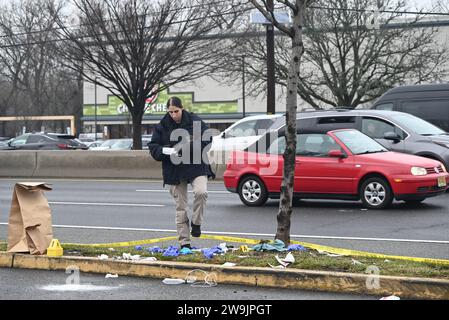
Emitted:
<point x="173" y="281"/>
<point x="356" y="262"/>
<point x="111" y="276"/>
<point x="148" y="259"/>
<point x="103" y="257"/>
<point x="330" y="254"/>
<point x="228" y="264"/>
<point x="128" y="256"/>
<point x="223" y="247"/>
<point x="390" y="298"/>
<point x="289" y="259"/>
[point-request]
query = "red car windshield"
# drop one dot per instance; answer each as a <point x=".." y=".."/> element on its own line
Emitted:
<point x="358" y="142"/>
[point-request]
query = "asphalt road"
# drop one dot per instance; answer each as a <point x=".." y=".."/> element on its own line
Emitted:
<point x="19" y="284"/>
<point x="111" y="211"/>
<point x="141" y="210"/>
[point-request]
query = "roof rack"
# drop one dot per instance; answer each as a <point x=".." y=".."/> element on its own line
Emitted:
<point x="313" y="110"/>
<point x="339" y="109"/>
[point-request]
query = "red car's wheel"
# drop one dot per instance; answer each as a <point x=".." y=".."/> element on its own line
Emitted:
<point x="376" y="193"/>
<point x="252" y="191"/>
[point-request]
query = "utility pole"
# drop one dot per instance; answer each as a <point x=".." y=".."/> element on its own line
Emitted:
<point x="243" y="87"/>
<point x="271" y="100"/>
<point x="95" y="89"/>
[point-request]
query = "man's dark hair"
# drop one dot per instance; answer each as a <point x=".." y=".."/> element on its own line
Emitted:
<point x="174" y="101"/>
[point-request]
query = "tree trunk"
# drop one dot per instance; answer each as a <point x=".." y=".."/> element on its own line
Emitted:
<point x="285" y="205"/>
<point x="137" y="129"/>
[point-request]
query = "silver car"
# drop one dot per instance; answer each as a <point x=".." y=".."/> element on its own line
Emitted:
<point x="396" y="131"/>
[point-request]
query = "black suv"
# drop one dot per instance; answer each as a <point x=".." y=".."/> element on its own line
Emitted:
<point x="396" y="131"/>
<point x="44" y="141"/>
<point x="429" y="102"/>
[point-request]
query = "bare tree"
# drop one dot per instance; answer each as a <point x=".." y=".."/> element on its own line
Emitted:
<point x="30" y="68"/>
<point x="137" y="48"/>
<point x="294" y="32"/>
<point x="356" y="50"/>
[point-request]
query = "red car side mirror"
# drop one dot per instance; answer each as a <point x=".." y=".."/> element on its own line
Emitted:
<point x="336" y="154"/>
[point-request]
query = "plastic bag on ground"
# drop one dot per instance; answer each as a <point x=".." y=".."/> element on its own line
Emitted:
<point x="276" y="245"/>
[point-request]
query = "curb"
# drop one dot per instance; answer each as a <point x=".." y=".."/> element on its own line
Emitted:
<point x="404" y="287"/>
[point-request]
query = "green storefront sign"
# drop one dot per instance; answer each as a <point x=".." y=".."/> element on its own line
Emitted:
<point x="116" y="107"/>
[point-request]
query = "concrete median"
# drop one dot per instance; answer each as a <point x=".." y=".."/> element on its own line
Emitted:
<point x="17" y="163"/>
<point x="83" y="164"/>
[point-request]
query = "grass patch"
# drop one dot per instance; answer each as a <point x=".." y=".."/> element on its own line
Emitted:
<point x="309" y="260"/>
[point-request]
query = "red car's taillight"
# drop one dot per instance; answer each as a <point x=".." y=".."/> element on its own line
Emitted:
<point x="63" y="146"/>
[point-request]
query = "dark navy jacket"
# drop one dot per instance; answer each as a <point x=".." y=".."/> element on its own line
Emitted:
<point x="173" y="173"/>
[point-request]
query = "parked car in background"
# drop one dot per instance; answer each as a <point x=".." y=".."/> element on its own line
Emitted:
<point x="44" y="141"/>
<point x="94" y="144"/>
<point x="239" y="136"/>
<point x="119" y="144"/>
<point x="340" y="164"/>
<point x="396" y="131"/>
<point x="428" y="102"/>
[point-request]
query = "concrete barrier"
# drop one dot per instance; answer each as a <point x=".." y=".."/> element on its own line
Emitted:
<point x="17" y="163"/>
<point x="97" y="164"/>
<point x="83" y="164"/>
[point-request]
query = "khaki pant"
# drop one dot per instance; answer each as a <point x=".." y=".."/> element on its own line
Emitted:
<point x="179" y="193"/>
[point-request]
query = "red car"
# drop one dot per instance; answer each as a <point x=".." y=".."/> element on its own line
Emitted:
<point x="340" y="164"/>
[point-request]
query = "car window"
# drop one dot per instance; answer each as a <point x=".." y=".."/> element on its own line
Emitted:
<point x="108" y="143"/>
<point x="315" y="145"/>
<point x="38" y="139"/>
<point x="34" y="139"/>
<point x="311" y="145"/>
<point x="244" y="129"/>
<point x="19" y="140"/>
<point x="277" y="146"/>
<point x="418" y="125"/>
<point x="376" y="128"/>
<point x="263" y="124"/>
<point x="358" y="142"/>
<point x="122" y="144"/>
<point x="336" y="122"/>
<point x="435" y="111"/>
<point x="385" y="106"/>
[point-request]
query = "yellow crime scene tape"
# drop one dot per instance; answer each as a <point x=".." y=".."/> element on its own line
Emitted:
<point x="331" y="250"/>
<point x="123" y="244"/>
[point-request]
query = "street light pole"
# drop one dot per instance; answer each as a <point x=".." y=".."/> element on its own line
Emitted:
<point x="95" y="86"/>
<point x="270" y="64"/>
<point x="243" y="87"/>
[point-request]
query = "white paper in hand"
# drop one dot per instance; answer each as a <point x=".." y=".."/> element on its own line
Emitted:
<point x="168" y="151"/>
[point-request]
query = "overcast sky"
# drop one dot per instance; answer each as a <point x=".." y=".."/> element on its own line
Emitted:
<point x="412" y="4"/>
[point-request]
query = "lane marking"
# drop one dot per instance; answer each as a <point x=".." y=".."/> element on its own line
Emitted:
<point x="107" y="204"/>
<point x="76" y="287"/>
<point x="155" y="180"/>
<point x="190" y="191"/>
<point x="252" y="234"/>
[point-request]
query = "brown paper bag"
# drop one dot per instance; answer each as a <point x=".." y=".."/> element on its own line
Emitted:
<point x="30" y="226"/>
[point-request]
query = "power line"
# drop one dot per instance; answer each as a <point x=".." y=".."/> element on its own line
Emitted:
<point x="116" y="32"/>
<point x="382" y="11"/>
<point x="241" y="11"/>
<point x="90" y="24"/>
